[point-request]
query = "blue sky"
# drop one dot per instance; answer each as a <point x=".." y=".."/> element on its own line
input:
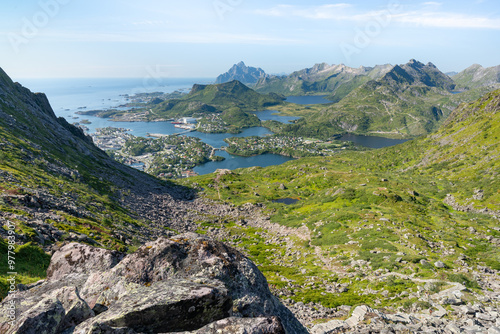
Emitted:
<point x="203" y="38"/>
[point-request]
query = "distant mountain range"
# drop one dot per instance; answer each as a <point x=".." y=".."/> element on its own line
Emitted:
<point x="389" y="100"/>
<point x="407" y="100"/>
<point x="337" y="81"/>
<point x="242" y="73"/>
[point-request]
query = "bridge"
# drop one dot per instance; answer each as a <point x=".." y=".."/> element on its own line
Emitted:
<point x="214" y="149"/>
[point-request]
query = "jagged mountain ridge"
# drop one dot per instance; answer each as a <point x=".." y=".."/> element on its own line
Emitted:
<point x="333" y="80"/>
<point x="241" y="72"/>
<point x="416" y="73"/>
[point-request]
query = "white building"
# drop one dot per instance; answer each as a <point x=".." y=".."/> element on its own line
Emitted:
<point x="188" y="120"/>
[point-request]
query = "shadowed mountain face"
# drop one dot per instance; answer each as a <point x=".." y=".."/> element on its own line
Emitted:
<point x="243" y="73"/>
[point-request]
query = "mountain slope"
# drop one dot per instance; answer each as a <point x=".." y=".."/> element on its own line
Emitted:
<point x="242" y="73"/>
<point x="56" y="185"/>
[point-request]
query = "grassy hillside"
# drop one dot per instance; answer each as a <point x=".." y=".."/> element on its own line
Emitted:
<point x="384" y="211"/>
<point x="216" y="98"/>
<point x="56" y="185"/>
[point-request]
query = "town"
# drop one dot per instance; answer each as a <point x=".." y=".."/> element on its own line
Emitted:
<point x="284" y="145"/>
<point x="169" y="156"/>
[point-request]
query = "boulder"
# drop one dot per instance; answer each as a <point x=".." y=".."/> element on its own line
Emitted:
<point x="439" y="264"/>
<point x="49" y="313"/>
<point x="166" y="306"/>
<point x="234" y="325"/>
<point x="190" y="256"/>
<point x="183" y="283"/>
<point x="77" y="258"/>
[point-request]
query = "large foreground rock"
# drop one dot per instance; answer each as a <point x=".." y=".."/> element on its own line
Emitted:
<point x="186" y="283"/>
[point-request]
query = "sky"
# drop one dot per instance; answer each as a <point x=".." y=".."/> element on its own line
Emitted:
<point x="204" y="38"/>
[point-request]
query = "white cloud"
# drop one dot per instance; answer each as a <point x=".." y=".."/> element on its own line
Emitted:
<point x="432" y="3"/>
<point x="427" y="16"/>
<point x="447" y="20"/>
<point x="331" y="11"/>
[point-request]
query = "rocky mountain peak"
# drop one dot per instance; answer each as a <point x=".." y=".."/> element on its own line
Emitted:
<point x="415" y="72"/>
<point x="242" y="73"/>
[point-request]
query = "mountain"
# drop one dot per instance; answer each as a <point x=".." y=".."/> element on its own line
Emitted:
<point x="416" y="73"/>
<point x="221" y="98"/>
<point x="61" y="186"/>
<point x="242" y="73"/>
<point x="477" y="76"/>
<point x="410" y="230"/>
<point x="408" y="100"/>
<point x="334" y="80"/>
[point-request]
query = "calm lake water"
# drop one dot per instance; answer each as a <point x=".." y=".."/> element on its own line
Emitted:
<point x="234" y="162"/>
<point x="287" y="201"/>
<point x="272" y="115"/>
<point x="372" y="141"/>
<point x="68" y="96"/>
<point x="308" y="99"/>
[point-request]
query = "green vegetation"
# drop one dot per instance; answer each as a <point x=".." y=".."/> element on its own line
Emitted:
<point x="383" y="210"/>
<point x="31" y="264"/>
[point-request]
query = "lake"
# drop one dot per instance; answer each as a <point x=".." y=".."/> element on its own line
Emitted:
<point x="371" y="141"/>
<point x="308" y="99"/>
<point x="272" y="115"/>
<point x="234" y="162"/>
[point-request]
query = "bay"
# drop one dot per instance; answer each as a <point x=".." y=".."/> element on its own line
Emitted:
<point x="68" y="96"/>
